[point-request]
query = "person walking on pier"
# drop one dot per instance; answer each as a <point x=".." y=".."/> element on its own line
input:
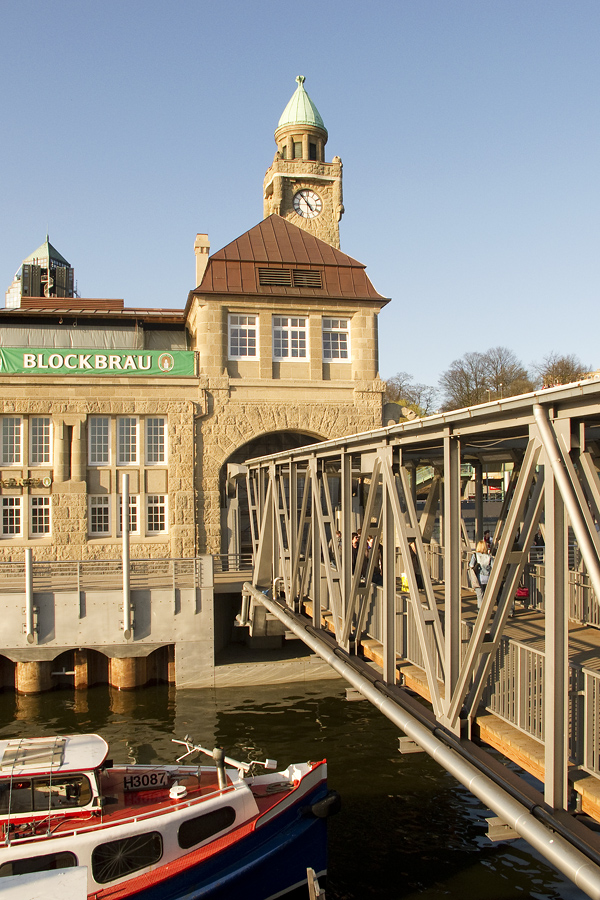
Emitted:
<point x="480" y="566"/>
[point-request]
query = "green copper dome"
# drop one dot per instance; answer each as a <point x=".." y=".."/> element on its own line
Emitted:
<point x="46" y="252"/>
<point x="301" y="110"/>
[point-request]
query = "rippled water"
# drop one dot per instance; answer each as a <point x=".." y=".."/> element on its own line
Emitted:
<point x="406" y="829"/>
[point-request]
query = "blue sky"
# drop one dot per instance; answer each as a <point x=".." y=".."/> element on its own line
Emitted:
<point x="469" y="132"/>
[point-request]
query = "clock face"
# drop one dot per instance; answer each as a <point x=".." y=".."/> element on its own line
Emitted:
<point x="307" y="204"/>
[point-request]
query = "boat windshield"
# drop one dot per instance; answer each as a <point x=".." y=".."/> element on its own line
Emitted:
<point x="22" y="795"/>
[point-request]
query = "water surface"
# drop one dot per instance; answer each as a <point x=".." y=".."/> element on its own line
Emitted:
<point x="406" y="830"/>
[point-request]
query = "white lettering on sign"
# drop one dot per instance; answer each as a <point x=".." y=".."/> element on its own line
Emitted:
<point x="96" y="361"/>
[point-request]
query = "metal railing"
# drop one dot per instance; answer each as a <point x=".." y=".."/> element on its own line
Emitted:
<point x="233" y="562"/>
<point x="515" y="687"/>
<point x="107" y="574"/>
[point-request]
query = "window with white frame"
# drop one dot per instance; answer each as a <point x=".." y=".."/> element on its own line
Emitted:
<point x="134" y="518"/>
<point x="40" y="440"/>
<point x="39" y="515"/>
<point x="156" y="429"/>
<point x="12" y="520"/>
<point x="12" y="436"/>
<point x="243" y="337"/>
<point x="289" y="338"/>
<point x="99" y="440"/>
<point x="336" y="339"/>
<point x="99" y="514"/>
<point x="127" y="441"/>
<point x="156" y="513"/>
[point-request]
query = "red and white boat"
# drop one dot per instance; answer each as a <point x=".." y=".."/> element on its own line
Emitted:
<point x="161" y="832"/>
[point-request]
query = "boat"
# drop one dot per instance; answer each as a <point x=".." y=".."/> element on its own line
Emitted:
<point x="161" y="832"/>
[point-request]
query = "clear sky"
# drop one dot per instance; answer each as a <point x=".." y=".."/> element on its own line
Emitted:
<point x="469" y="132"/>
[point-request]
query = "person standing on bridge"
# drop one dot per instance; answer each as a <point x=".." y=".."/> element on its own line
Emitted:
<point x="480" y="566"/>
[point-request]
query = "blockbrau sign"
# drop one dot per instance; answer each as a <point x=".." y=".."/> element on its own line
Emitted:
<point x="31" y="361"/>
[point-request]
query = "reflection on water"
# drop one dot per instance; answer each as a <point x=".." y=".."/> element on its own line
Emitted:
<point x="406" y="829"/>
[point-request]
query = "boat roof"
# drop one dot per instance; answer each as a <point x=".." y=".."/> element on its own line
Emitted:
<point x="64" y="753"/>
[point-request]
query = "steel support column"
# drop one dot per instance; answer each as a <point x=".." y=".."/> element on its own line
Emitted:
<point x="556" y="657"/>
<point x="452" y="567"/>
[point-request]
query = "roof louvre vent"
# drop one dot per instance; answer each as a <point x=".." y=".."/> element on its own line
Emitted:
<point x="281" y="277"/>
<point x="307" y="278"/>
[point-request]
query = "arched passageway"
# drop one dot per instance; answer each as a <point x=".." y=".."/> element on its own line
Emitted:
<point x="235" y="522"/>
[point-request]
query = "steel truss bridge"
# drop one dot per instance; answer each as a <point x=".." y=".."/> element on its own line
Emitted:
<point x="403" y="620"/>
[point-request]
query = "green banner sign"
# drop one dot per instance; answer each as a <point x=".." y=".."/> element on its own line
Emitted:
<point x="31" y="361"/>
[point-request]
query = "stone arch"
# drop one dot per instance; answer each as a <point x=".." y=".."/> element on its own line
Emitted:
<point x="235" y="522"/>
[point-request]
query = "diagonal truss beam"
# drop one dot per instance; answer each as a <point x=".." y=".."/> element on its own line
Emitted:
<point x="478" y="644"/>
<point x="423" y="603"/>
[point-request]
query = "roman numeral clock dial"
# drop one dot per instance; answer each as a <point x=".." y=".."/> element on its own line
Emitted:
<point x="307" y="204"/>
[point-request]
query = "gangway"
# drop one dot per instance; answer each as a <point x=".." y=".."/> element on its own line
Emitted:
<point x="408" y="594"/>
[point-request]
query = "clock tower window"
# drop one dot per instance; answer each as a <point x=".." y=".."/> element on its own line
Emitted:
<point x="312" y="151"/>
<point x="297" y="149"/>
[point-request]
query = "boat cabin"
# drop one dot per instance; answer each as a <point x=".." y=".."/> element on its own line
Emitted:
<point x="40" y="775"/>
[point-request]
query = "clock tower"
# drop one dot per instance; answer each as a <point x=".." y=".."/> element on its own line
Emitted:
<point x="300" y="186"/>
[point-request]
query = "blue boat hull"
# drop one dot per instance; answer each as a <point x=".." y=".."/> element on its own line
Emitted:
<point x="267" y="863"/>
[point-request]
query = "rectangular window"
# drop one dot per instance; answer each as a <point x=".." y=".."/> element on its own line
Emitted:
<point x="100" y="515"/>
<point x="156" y="520"/>
<point x="336" y="339"/>
<point x="39" y="521"/>
<point x="39" y="440"/>
<point x="12" y="433"/>
<point x="242" y="337"/>
<point x="99" y="440"/>
<point x="155" y="441"/>
<point x="289" y="338"/>
<point x="11" y="517"/>
<point x="127" y="441"/>
<point x="134" y="519"/>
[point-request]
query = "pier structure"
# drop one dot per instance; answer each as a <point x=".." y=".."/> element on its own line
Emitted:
<point x="396" y="615"/>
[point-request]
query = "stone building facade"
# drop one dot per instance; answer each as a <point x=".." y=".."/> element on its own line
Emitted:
<point x="277" y="346"/>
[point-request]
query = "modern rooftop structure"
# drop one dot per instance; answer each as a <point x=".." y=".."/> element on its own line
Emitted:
<point x="44" y="273"/>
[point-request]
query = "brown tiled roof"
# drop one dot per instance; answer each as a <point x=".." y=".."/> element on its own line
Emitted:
<point x="277" y="244"/>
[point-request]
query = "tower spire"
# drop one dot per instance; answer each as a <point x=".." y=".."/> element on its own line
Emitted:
<point x="300" y="185"/>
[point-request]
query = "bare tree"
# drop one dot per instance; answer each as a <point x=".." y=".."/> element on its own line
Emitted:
<point x="465" y="382"/>
<point x="479" y="377"/>
<point x="401" y="389"/>
<point x="557" y="369"/>
<point x="506" y="376"/>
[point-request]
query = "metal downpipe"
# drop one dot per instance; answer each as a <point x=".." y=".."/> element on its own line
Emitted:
<point x="556" y="849"/>
<point x="588" y="551"/>
<point x="29" y="618"/>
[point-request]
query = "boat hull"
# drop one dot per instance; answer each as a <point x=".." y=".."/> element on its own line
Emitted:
<point x="263" y="864"/>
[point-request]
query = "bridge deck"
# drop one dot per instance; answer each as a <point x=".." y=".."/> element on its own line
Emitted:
<point x="527" y="627"/>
